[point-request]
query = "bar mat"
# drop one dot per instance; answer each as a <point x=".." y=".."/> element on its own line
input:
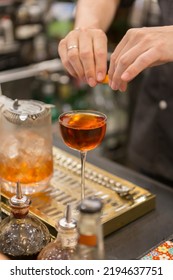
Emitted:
<point x="119" y="209"/>
<point x="162" y="251"/>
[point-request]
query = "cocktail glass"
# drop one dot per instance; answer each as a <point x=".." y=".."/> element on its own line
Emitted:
<point x="82" y="130"/>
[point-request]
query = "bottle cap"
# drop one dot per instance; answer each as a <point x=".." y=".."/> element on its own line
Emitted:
<point x="67" y="222"/>
<point x="90" y="205"/>
<point x="19" y="200"/>
<point x="19" y="203"/>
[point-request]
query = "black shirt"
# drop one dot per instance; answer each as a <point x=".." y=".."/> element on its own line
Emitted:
<point x="151" y="142"/>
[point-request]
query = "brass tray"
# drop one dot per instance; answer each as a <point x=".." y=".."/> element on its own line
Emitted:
<point x="64" y="188"/>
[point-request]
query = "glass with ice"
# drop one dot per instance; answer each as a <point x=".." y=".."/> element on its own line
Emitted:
<point x="26" y="146"/>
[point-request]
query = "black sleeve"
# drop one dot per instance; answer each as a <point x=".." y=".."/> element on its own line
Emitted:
<point x="126" y="3"/>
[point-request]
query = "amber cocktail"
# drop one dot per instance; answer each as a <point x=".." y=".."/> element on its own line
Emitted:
<point x="26" y="157"/>
<point x="82" y="130"/>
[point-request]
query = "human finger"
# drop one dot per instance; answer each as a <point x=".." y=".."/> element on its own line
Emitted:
<point x="145" y="60"/>
<point x="62" y="50"/>
<point x="73" y="51"/>
<point x="100" y="54"/>
<point x="114" y="56"/>
<point x="87" y="56"/>
<point x="123" y="61"/>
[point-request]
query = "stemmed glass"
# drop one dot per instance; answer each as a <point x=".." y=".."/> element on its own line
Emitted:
<point x="82" y="130"/>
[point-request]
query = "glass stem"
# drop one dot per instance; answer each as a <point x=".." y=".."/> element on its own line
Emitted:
<point x="83" y="159"/>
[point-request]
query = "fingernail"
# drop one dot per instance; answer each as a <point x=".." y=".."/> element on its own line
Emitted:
<point x="100" y="77"/>
<point x="125" y="76"/>
<point x="114" y="86"/>
<point x="122" y="88"/>
<point x="92" y="82"/>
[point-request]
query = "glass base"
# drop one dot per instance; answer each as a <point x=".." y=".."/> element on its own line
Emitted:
<point x="26" y="188"/>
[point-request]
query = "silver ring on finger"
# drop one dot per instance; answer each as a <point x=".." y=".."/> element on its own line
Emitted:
<point x="72" y="47"/>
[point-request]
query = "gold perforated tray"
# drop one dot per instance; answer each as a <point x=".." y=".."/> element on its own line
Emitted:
<point x="118" y="210"/>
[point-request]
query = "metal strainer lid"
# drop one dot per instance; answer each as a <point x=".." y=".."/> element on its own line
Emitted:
<point x="25" y="111"/>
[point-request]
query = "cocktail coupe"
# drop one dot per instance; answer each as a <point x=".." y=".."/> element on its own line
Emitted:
<point x="82" y="130"/>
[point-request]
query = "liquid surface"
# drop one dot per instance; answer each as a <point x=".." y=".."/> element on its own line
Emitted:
<point x="82" y="131"/>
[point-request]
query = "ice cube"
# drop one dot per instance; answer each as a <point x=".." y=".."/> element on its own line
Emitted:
<point x="10" y="147"/>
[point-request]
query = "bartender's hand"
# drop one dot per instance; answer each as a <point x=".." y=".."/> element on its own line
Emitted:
<point x="140" y="48"/>
<point x="83" y="53"/>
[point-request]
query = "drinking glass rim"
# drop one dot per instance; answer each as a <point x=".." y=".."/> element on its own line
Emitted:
<point x="82" y="111"/>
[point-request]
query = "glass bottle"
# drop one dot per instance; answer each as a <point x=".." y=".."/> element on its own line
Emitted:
<point x="63" y="247"/>
<point x="22" y="236"/>
<point x="90" y="242"/>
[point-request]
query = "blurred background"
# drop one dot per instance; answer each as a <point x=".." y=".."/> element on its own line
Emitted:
<point x="31" y="69"/>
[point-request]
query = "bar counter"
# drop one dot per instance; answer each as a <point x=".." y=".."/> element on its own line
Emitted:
<point x="136" y="238"/>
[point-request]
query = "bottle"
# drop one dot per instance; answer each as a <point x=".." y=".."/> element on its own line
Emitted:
<point x="90" y="244"/>
<point x="63" y="247"/>
<point x="22" y="236"/>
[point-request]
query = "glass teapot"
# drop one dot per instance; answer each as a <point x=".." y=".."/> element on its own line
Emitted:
<point x="26" y="145"/>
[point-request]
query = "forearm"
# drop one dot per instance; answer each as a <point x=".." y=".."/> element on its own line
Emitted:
<point x="95" y="13"/>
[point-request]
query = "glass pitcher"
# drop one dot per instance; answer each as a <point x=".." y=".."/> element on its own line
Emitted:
<point x="26" y="145"/>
